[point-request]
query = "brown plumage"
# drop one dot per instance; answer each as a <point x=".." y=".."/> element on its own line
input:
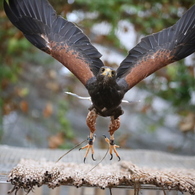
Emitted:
<point x="69" y="45"/>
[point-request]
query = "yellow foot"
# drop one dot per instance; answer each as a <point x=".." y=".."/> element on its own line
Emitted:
<point x="89" y="147"/>
<point x="112" y="147"/>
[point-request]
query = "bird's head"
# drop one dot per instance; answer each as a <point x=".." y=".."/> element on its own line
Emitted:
<point x="106" y="75"/>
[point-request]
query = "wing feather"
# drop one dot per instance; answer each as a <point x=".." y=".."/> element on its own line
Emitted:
<point x="158" y="50"/>
<point x="53" y="34"/>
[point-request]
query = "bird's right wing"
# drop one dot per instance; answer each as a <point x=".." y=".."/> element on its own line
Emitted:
<point x="158" y="50"/>
<point x="56" y="36"/>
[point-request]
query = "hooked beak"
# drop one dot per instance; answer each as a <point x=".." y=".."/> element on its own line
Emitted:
<point x="107" y="72"/>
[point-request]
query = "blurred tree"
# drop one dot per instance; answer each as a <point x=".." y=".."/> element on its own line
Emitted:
<point x="16" y="73"/>
<point x="146" y="16"/>
<point x="12" y="47"/>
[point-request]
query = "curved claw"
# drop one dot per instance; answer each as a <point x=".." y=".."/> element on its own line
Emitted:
<point x="89" y="147"/>
<point x="93" y="157"/>
<point x="112" y="147"/>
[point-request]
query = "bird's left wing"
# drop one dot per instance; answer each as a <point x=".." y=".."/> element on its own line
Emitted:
<point x="56" y="36"/>
<point x="158" y="50"/>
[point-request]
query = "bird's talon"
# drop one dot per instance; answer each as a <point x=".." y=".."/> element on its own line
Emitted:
<point x="112" y="147"/>
<point x="89" y="147"/>
<point x="90" y="142"/>
<point x="93" y="157"/>
<point x="112" y="142"/>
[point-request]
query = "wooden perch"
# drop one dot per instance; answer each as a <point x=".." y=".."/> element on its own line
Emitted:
<point x="139" y="169"/>
<point x="29" y="173"/>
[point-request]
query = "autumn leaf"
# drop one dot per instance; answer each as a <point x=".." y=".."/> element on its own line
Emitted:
<point x="48" y="110"/>
<point x="187" y="123"/>
<point x="56" y="140"/>
<point x="24" y="106"/>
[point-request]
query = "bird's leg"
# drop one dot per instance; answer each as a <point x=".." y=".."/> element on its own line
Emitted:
<point x="114" y="125"/>
<point x="91" y="122"/>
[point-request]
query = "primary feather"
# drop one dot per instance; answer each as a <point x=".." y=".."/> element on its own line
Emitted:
<point x="158" y="50"/>
<point x="53" y="34"/>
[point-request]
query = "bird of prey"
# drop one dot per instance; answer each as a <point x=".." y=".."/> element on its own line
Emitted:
<point x="65" y="42"/>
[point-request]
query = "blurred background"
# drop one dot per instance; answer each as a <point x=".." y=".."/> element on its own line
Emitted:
<point x="36" y="113"/>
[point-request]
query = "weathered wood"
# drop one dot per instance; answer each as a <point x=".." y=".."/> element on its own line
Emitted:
<point x="142" y="167"/>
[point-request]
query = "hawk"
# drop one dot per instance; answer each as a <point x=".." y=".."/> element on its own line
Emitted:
<point x="106" y="86"/>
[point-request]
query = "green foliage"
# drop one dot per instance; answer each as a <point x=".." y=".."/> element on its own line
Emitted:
<point x="15" y="46"/>
<point x="65" y="126"/>
<point x="12" y="47"/>
<point x="16" y="51"/>
<point x="180" y="85"/>
<point x="147" y="16"/>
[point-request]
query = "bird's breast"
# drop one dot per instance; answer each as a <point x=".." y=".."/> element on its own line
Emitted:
<point x="105" y="99"/>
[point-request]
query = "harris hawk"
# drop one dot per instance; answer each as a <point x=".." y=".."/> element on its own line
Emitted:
<point x="65" y="42"/>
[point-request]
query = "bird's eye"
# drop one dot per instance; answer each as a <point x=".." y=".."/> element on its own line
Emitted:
<point x="103" y="69"/>
<point x="113" y="73"/>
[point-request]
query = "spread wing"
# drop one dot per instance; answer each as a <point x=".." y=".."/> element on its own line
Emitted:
<point x="56" y="36"/>
<point x="158" y="50"/>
